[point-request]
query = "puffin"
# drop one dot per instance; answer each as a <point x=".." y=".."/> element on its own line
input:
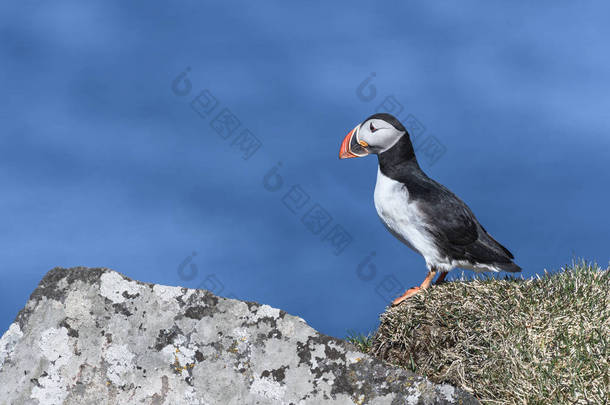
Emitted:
<point x="420" y="212"/>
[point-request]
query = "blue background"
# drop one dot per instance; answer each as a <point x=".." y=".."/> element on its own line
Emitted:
<point x="103" y="164"/>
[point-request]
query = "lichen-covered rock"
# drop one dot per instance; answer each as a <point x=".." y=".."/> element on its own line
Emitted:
<point x="90" y="336"/>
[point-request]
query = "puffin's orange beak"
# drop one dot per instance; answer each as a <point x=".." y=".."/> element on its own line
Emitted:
<point x="350" y="147"/>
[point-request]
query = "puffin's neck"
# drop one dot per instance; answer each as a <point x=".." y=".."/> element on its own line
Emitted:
<point x="399" y="161"/>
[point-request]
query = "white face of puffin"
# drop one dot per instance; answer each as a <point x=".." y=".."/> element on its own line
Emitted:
<point x="372" y="136"/>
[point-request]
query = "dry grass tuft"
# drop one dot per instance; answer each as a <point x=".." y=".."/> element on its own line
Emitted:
<point x="509" y="341"/>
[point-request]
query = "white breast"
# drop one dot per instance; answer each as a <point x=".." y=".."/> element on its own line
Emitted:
<point x="403" y="220"/>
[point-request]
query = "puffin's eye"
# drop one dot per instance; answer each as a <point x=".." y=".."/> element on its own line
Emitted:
<point x="373" y="129"/>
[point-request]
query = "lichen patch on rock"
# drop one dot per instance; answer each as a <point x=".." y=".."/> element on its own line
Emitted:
<point x="116" y="288"/>
<point x="8" y="340"/>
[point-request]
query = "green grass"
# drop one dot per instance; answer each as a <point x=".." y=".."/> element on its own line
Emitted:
<point x="507" y="341"/>
<point x="361" y="341"/>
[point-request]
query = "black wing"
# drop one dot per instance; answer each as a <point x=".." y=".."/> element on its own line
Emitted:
<point x="456" y="230"/>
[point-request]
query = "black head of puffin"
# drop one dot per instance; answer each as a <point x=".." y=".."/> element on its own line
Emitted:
<point x="375" y="135"/>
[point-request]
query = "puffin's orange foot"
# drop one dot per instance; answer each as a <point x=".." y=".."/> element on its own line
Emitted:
<point x="409" y="293"/>
<point x="441" y="278"/>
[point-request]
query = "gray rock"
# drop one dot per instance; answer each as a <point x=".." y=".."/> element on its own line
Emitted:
<point x="90" y="336"/>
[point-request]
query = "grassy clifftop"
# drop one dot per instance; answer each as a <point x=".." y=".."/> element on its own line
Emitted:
<point x="508" y="341"/>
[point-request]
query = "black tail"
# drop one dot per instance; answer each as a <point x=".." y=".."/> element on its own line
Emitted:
<point x="510" y="267"/>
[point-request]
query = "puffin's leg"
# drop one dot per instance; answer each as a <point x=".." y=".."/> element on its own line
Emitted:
<point x="412" y="291"/>
<point x="441" y="277"/>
